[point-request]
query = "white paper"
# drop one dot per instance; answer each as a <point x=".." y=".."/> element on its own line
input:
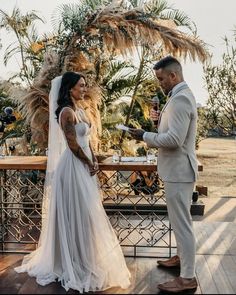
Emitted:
<point x="133" y="159"/>
<point x="122" y="127"/>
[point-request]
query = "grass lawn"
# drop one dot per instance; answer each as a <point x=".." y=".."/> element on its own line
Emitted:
<point x="218" y="156"/>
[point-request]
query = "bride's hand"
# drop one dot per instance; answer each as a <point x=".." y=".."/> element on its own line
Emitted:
<point x="94" y="168"/>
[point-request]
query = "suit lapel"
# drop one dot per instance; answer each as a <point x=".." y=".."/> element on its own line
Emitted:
<point x="159" y="119"/>
<point x="173" y="93"/>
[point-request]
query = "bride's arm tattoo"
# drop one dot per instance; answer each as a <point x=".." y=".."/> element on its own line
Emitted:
<point x="68" y="126"/>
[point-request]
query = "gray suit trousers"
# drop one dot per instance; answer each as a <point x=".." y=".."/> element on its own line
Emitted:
<point x="178" y="199"/>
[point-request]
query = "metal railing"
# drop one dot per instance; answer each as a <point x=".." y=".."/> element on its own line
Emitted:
<point x="133" y="197"/>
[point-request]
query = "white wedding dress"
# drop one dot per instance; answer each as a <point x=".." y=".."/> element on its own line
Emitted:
<point x="81" y="249"/>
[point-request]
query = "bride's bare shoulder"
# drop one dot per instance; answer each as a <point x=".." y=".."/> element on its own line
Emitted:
<point x="67" y="115"/>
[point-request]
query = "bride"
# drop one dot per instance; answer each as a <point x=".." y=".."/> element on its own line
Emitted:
<point x="77" y="245"/>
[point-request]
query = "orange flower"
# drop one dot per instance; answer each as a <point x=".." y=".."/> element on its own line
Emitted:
<point x="36" y="47"/>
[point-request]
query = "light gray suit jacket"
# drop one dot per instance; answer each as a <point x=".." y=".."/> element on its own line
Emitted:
<point x="176" y="135"/>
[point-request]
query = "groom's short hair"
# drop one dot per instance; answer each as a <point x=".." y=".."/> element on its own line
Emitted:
<point x="169" y="63"/>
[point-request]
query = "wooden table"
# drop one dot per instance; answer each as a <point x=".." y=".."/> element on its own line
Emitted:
<point x="40" y="163"/>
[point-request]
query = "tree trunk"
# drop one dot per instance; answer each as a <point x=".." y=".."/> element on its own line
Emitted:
<point x="138" y="78"/>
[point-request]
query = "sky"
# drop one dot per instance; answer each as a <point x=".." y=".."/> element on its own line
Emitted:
<point x="214" y="20"/>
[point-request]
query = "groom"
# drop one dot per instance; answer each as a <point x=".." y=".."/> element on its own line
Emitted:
<point x="177" y="166"/>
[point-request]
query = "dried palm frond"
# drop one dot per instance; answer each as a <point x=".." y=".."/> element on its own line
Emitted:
<point x="78" y="62"/>
<point x="94" y="33"/>
<point x="90" y="105"/>
<point x="35" y="105"/>
<point x="123" y="30"/>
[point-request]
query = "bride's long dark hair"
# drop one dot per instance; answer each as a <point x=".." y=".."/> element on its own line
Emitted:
<point x="68" y="81"/>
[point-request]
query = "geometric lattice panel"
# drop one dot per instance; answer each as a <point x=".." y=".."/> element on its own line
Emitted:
<point x="133" y="200"/>
<point x="20" y="207"/>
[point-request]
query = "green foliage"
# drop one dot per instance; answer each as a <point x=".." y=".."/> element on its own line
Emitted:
<point x="74" y="18"/>
<point x="22" y="26"/>
<point x="203" y="126"/>
<point x="5" y="101"/>
<point x="117" y="80"/>
<point x="15" y="129"/>
<point x="221" y="84"/>
<point x="141" y="151"/>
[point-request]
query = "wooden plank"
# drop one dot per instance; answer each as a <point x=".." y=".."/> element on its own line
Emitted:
<point x="209" y="239"/>
<point x="198" y="290"/>
<point x="203" y="243"/>
<point x="132" y="265"/>
<point x="232" y="248"/>
<point x="200" y="245"/>
<point x="215" y="275"/>
<point x="144" y="283"/>
<point x="226" y="242"/>
<point x="40" y="163"/>
<point x="214" y="238"/>
<point x="164" y="275"/>
<point x="226" y="236"/>
<point x="7" y="260"/>
<point x="218" y="274"/>
<point x="227" y="232"/>
<point x="204" y="276"/>
<point x="31" y="287"/>
<point x="11" y="281"/>
<point x="23" y="163"/>
<point x="127" y="166"/>
<point x="228" y="263"/>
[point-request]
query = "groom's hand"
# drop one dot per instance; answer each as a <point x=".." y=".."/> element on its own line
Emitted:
<point x="136" y="133"/>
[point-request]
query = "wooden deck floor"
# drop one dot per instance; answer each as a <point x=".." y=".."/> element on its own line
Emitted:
<point x="215" y="267"/>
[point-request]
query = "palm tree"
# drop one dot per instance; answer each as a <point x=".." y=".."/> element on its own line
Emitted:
<point x="116" y="80"/>
<point x="147" y="55"/>
<point x="24" y="30"/>
<point x="92" y="31"/>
